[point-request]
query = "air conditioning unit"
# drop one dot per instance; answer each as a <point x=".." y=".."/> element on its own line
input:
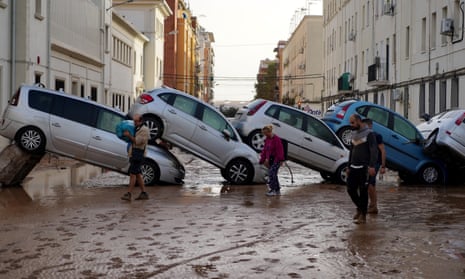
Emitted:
<point x="447" y="27"/>
<point x="397" y="95"/>
<point x="352" y="36"/>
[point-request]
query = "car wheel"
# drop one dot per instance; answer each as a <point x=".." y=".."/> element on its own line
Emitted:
<point x="150" y="172"/>
<point x="341" y="174"/>
<point x="31" y="139"/>
<point x="256" y="140"/>
<point x="430" y="146"/>
<point x="345" y="134"/>
<point x="155" y="127"/>
<point x="325" y="175"/>
<point x="430" y="174"/>
<point x="239" y="171"/>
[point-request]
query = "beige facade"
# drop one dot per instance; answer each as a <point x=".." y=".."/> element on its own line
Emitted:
<point x="205" y="64"/>
<point x="399" y="54"/>
<point x="302" y="72"/>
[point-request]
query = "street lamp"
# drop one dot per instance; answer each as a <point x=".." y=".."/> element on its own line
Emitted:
<point x="119" y="4"/>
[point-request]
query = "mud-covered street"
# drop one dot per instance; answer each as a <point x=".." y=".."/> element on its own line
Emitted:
<point x="205" y="229"/>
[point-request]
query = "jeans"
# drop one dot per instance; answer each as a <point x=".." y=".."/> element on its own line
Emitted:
<point x="357" y="188"/>
<point x="273" y="177"/>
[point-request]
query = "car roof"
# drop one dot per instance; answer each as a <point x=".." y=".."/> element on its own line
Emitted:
<point x="67" y="95"/>
<point x="166" y="89"/>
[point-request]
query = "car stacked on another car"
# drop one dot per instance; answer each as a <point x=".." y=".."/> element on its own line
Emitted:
<point x="42" y="120"/>
<point x="310" y="141"/>
<point x="402" y="140"/>
<point x="200" y="129"/>
<point x="445" y="135"/>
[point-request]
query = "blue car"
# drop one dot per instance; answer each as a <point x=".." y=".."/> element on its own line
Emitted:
<point x="402" y="140"/>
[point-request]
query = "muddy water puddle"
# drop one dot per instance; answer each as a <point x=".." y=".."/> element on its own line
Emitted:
<point x="209" y="229"/>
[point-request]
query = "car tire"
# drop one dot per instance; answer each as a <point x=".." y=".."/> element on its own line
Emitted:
<point x="155" y="126"/>
<point x="430" y="174"/>
<point x="31" y="139"/>
<point x="150" y="172"/>
<point x="326" y="175"/>
<point x="431" y="147"/>
<point x="256" y="140"/>
<point x="345" y="134"/>
<point x="340" y="176"/>
<point x="239" y="171"/>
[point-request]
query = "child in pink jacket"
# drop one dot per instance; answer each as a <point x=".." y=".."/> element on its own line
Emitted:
<point x="272" y="157"/>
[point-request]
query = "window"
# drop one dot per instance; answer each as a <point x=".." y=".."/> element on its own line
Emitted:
<point x="291" y="117"/>
<point x="40" y="101"/>
<point x="59" y="84"/>
<point x="214" y="120"/>
<point x="454" y="93"/>
<point x="404" y="128"/>
<point x="433" y="30"/>
<point x="319" y="130"/>
<point x="38" y="10"/>
<point x="185" y="104"/>
<point x="406" y="98"/>
<point x="93" y="93"/>
<point x="422" y="100"/>
<point x="83" y="91"/>
<point x="168" y="98"/>
<point x="394" y="49"/>
<point x="378" y="115"/>
<point x="107" y="38"/>
<point x="442" y="96"/>
<point x="272" y="111"/>
<point x="444" y="37"/>
<point x="407" y="42"/>
<point x="107" y="120"/>
<point x="122" y="52"/>
<point x="432" y="98"/>
<point x="37" y="78"/>
<point x="74" y="110"/>
<point x="423" y="34"/>
<point x="368" y="13"/>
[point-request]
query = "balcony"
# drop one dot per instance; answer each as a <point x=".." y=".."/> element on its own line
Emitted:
<point x="344" y="83"/>
<point x="377" y="76"/>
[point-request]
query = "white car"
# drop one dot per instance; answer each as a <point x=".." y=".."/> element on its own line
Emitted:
<point x="42" y="120"/>
<point x="310" y="141"/>
<point x="200" y="129"/>
<point x="445" y="131"/>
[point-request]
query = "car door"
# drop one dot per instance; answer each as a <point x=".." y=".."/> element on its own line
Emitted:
<point x="105" y="148"/>
<point x="288" y="126"/>
<point x="320" y="147"/>
<point x="210" y="139"/>
<point x="180" y="118"/>
<point x="71" y="125"/>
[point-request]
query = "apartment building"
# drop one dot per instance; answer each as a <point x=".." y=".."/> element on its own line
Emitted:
<point x="205" y="64"/>
<point x="302" y="74"/>
<point x="406" y="55"/>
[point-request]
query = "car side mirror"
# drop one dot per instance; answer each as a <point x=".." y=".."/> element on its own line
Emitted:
<point x="426" y="116"/>
<point x="226" y="134"/>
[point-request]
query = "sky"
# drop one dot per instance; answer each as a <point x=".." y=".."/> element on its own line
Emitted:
<point x="246" y="31"/>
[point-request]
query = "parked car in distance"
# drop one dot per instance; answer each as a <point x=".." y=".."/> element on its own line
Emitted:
<point x="402" y="140"/>
<point x="310" y="141"/>
<point x="445" y="135"/>
<point x="200" y="129"/>
<point x="42" y="120"/>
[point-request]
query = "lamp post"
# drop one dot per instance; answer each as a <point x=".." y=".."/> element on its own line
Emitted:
<point x="119" y="4"/>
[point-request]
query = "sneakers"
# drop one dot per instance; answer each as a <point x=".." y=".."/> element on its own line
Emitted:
<point x="357" y="215"/>
<point x="143" y="196"/>
<point x="126" y="197"/>
<point x="362" y="219"/>
<point x="373" y="210"/>
<point x="272" y="193"/>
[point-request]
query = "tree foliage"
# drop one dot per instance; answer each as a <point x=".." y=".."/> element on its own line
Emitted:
<point x="265" y="87"/>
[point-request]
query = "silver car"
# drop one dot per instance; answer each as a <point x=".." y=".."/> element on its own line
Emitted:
<point x="200" y="129"/>
<point x="445" y="131"/>
<point x="310" y="141"/>
<point x="42" y="120"/>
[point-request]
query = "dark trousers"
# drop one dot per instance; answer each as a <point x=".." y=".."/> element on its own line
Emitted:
<point x="357" y="188"/>
<point x="273" y="181"/>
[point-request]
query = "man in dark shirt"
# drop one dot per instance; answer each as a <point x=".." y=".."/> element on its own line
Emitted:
<point x="362" y="162"/>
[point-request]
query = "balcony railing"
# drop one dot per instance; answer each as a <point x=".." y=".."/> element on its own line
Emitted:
<point x="377" y="75"/>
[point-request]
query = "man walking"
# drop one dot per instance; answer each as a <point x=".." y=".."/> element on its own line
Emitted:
<point x="136" y="156"/>
<point x="380" y="166"/>
<point x="362" y="161"/>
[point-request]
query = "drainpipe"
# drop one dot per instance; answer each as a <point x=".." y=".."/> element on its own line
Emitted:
<point x="13" y="48"/>
<point x="49" y="45"/>
<point x="463" y="24"/>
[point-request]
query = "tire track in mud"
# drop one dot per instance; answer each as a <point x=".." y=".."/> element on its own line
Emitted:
<point x="206" y="255"/>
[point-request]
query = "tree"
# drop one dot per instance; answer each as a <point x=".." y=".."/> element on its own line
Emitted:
<point x="266" y="83"/>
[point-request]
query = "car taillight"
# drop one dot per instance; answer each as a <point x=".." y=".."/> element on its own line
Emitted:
<point x="256" y="108"/>
<point x="145" y="99"/>
<point x="15" y="99"/>
<point x="342" y="112"/>
<point x="460" y="119"/>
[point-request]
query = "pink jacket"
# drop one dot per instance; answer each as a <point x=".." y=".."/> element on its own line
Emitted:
<point x="273" y="149"/>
